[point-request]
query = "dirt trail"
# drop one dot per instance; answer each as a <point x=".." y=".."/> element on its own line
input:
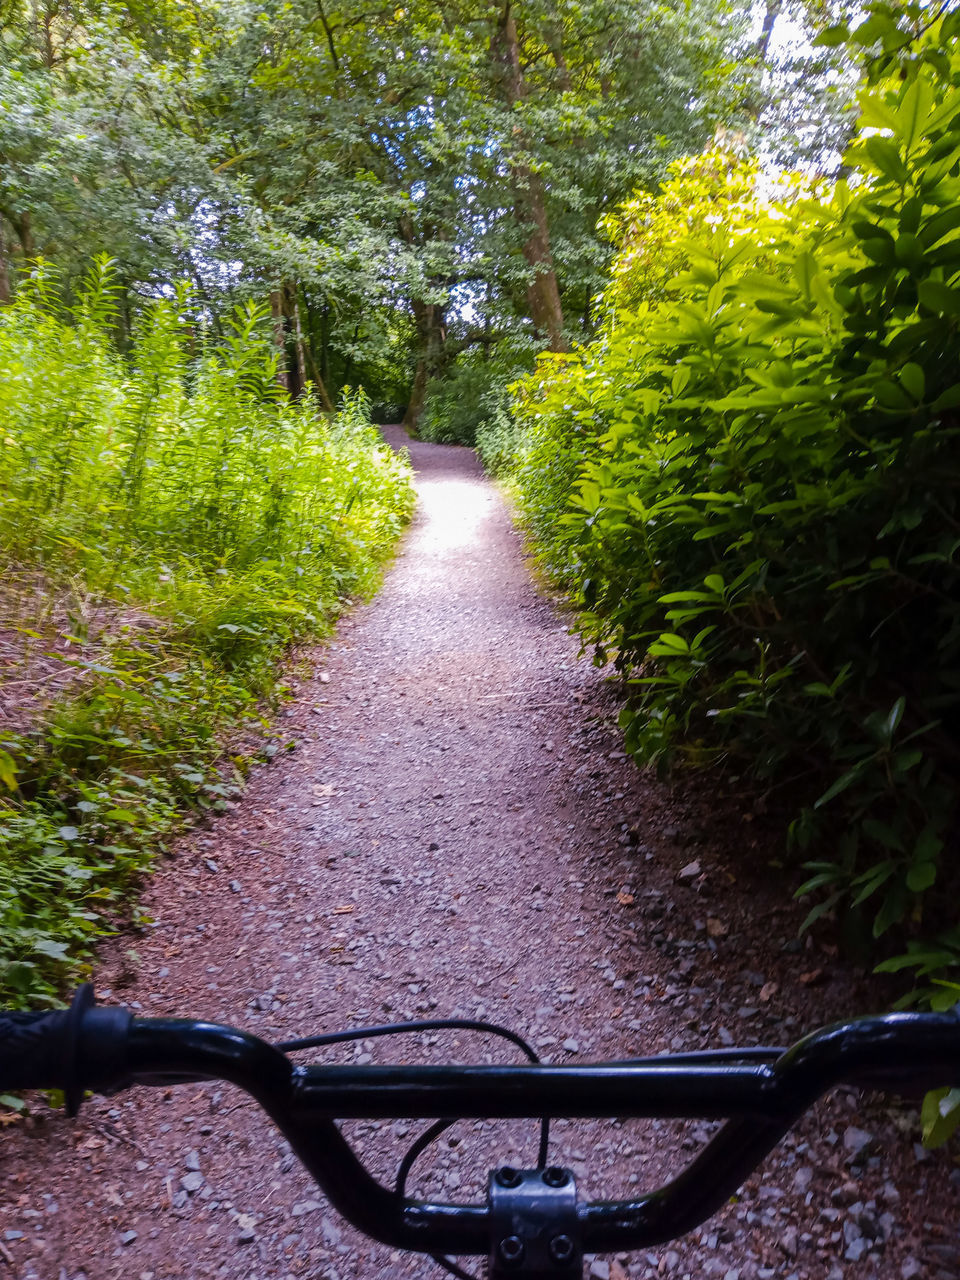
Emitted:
<point x="458" y="833"/>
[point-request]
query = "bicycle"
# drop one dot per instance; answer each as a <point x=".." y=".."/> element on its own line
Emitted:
<point x="533" y="1225"/>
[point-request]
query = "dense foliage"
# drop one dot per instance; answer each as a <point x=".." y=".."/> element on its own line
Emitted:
<point x="408" y="185"/>
<point x="192" y="520"/>
<point x="750" y="484"/>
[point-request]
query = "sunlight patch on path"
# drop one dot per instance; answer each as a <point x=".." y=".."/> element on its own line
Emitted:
<point x="453" y="511"/>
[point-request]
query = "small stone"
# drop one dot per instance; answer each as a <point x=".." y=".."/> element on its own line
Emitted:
<point x="689" y="872"/>
<point x="235" y="886"/>
<point x="211" y="865"/>
<point x="432" y="847"/>
<point x="851" y="1231"/>
<point x="909" y="1267"/>
<point x="305" y="1206"/>
<point x="857" y="1140"/>
<point x="331" y="1232"/>
<point x="599" y="1269"/>
<point x="13" y="1235"/>
<point x="856" y="1250"/>
<point x="128" y="1237"/>
<point x="571" y="1045"/>
<point x="788" y="1242"/>
<point x="192" y="1182"/>
<point x="845" y="1194"/>
<point x="245" y="1228"/>
<point x="192" y="1161"/>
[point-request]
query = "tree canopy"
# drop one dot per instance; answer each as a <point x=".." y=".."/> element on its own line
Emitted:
<point x="409" y="186"/>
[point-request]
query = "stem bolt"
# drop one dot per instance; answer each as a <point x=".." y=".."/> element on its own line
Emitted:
<point x="510" y="1250"/>
<point x="560" y="1249"/>
<point x="554" y="1176"/>
<point x="507" y="1177"/>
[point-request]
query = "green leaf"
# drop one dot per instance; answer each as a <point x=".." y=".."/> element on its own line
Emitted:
<point x="668" y="642"/>
<point x="914" y="110"/>
<point x="890" y="395"/>
<point x="8" y="771"/>
<point x="892" y="911"/>
<point x="894" y="716"/>
<point x="886" y="156"/>
<point x="949" y="399"/>
<point x="912" y="378"/>
<point x="939" y="297"/>
<point x="940" y="1116"/>
<point x="842" y="783"/>
<point x="49" y="947"/>
<point x="921" y="876"/>
<point x="832" y="36"/>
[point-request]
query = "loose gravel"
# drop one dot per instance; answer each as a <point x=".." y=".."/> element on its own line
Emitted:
<point x="455" y="831"/>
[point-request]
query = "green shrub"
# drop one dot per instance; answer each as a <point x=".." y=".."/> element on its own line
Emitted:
<point x="762" y="531"/>
<point x="221" y="517"/>
<point x="460" y="403"/>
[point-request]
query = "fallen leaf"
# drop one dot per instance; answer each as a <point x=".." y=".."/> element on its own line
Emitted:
<point x="625" y="899"/>
<point x="768" y="990"/>
<point x="343" y="911"/>
<point x="716" y="928"/>
<point x="325" y="789"/>
<point x="812" y="978"/>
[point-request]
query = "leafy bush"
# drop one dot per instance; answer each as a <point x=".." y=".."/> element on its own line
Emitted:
<point x="191" y="492"/>
<point x="459" y="404"/>
<point x="750" y="483"/>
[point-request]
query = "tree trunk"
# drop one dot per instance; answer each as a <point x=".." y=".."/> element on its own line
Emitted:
<point x="318" y="382"/>
<point x="769" y="21"/>
<point x="24" y="226"/>
<point x="297" y="367"/>
<point x="5" y="290"/>
<point x="431" y="335"/>
<point x="279" y="337"/>
<point x="543" y="291"/>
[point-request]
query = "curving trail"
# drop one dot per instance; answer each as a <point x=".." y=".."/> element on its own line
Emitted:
<point x="457" y="832"/>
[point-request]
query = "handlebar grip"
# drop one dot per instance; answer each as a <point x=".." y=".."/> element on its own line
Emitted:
<point x="71" y="1049"/>
<point x="32" y="1049"/>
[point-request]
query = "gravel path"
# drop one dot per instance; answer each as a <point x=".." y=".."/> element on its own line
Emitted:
<point x="457" y="832"/>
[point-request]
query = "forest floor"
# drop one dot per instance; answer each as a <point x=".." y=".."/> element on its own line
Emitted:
<point x="458" y="833"/>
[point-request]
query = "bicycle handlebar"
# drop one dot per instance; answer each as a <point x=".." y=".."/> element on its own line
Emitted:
<point x="107" y="1050"/>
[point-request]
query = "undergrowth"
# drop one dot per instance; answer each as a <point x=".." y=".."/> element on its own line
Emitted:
<point x="749" y="484"/>
<point x="180" y="483"/>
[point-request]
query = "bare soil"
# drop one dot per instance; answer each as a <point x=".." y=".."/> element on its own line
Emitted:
<point x="456" y="831"/>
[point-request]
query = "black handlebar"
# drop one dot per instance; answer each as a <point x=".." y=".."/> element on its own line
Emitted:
<point x="107" y="1049"/>
<point x="73" y="1049"/>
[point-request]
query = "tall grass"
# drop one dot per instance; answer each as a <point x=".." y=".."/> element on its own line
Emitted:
<point x="219" y="520"/>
